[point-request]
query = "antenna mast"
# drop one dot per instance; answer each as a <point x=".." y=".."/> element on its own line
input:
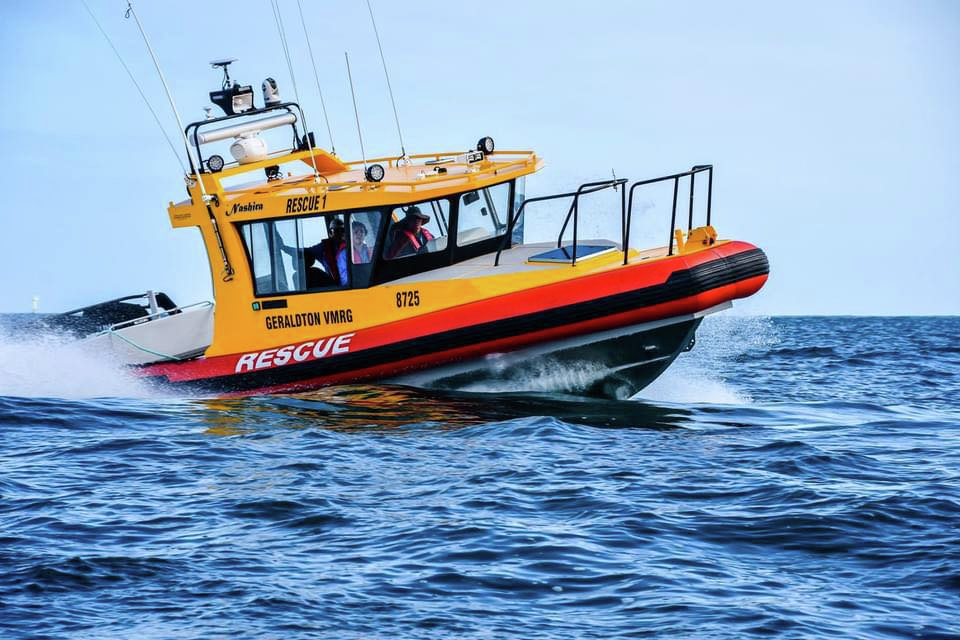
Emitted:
<point x="136" y="84"/>
<point x="130" y="12"/>
<point x="383" y="60"/>
<point x="227" y="268"/>
<point x="316" y="76"/>
<point x="286" y="52"/>
<point x="356" y="113"/>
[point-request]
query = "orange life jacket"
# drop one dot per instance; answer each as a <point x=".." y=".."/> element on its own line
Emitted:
<point x="411" y="239"/>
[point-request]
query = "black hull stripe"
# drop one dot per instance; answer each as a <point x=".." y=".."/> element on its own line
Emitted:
<point x="680" y="284"/>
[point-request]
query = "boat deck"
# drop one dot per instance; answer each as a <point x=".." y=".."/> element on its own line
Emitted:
<point x="516" y="260"/>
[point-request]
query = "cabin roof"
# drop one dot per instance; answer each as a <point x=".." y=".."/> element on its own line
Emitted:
<point x="415" y="174"/>
<point x="341" y="185"/>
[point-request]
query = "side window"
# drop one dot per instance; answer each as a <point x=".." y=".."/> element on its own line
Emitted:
<point x="364" y="229"/>
<point x="273" y="270"/>
<point x="297" y="255"/>
<point x="417" y="229"/>
<point x="323" y="254"/>
<point x="364" y="226"/>
<point x="483" y="214"/>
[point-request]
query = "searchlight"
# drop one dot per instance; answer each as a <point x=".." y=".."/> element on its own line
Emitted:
<point x="215" y="163"/>
<point x="232" y="98"/>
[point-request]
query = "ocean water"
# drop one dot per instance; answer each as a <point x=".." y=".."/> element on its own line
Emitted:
<point x="789" y="478"/>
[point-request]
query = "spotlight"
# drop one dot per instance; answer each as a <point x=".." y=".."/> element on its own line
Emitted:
<point x="485" y="144"/>
<point x="215" y="163"/>
<point x="375" y="173"/>
<point x="232" y="98"/>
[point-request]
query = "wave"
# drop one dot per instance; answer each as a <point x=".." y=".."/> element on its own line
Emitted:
<point x="803" y="352"/>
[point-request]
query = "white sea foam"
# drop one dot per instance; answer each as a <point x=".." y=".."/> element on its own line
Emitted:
<point x="544" y="376"/>
<point x="708" y="373"/>
<point x="687" y="382"/>
<point x="57" y="366"/>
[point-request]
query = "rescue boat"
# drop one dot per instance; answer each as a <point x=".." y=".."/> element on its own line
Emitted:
<point x="413" y="269"/>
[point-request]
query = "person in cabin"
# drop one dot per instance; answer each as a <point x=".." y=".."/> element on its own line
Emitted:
<point x="331" y="252"/>
<point x="361" y="252"/>
<point x="409" y="237"/>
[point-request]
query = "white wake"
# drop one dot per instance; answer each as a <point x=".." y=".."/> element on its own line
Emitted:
<point x="52" y="365"/>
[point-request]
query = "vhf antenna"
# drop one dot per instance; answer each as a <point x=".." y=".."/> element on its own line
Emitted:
<point x="393" y="102"/>
<point x="356" y="113"/>
<point x="136" y="84"/>
<point x="173" y="105"/>
<point x="316" y="76"/>
<point x="278" y="18"/>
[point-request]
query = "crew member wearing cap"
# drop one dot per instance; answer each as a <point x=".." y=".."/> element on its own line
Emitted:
<point x="409" y="237"/>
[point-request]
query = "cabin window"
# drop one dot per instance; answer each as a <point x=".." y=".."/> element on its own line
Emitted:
<point x="273" y="270"/>
<point x="483" y="214"/>
<point x="417" y="229"/>
<point x="322" y="258"/>
<point x="305" y="254"/>
<point x="364" y="229"/>
<point x="363" y="234"/>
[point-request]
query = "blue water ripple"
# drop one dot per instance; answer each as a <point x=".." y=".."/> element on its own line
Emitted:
<point x="819" y="496"/>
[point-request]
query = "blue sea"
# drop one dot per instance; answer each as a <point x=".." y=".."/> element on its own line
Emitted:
<point x="789" y="477"/>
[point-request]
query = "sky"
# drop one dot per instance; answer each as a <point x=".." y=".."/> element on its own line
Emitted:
<point x="834" y="128"/>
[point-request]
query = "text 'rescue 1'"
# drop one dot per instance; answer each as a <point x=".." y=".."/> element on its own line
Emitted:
<point x="309" y="350"/>
<point x="304" y="204"/>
